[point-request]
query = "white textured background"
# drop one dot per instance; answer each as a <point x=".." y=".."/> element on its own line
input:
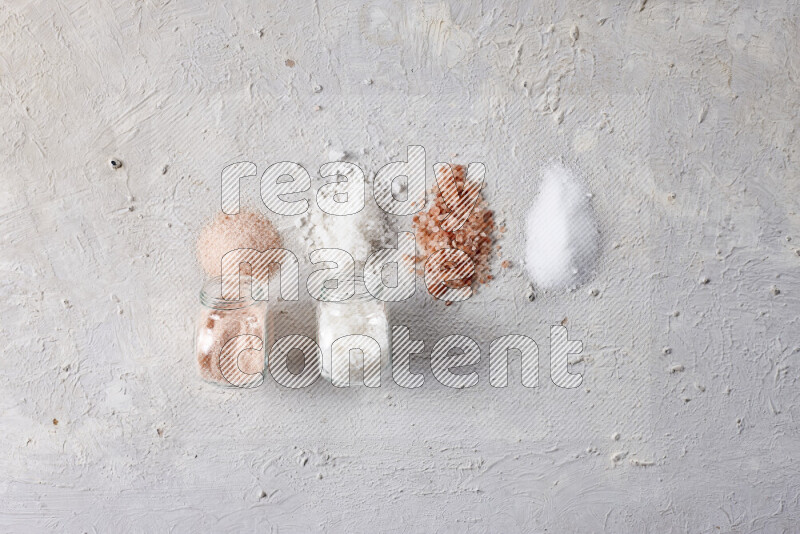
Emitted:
<point x="99" y="282"/>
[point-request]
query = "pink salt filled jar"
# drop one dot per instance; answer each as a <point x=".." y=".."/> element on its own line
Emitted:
<point x="218" y="322"/>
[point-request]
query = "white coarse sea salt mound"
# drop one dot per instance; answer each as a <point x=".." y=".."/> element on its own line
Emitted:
<point x="562" y="241"/>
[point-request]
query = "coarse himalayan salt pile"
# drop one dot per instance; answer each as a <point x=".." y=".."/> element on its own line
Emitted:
<point x="475" y="237"/>
<point x="246" y="229"/>
<point x="562" y="235"/>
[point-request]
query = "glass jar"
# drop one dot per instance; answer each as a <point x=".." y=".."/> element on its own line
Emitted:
<point x="221" y="320"/>
<point x="364" y="315"/>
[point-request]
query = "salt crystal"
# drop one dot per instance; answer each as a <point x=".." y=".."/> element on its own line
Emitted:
<point x="336" y="155"/>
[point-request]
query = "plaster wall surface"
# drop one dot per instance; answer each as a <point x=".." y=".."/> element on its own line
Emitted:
<point x="681" y="118"/>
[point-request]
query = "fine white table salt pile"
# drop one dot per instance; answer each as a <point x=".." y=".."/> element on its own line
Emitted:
<point x="562" y="234"/>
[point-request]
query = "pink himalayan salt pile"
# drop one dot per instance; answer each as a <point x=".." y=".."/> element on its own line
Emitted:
<point x="246" y="229"/>
<point x="475" y="238"/>
<point x="224" y="233"/>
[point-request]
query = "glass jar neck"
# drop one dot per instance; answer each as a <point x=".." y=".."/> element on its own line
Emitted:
<point x="211" y="295"/>
<point x="361" y="294"/>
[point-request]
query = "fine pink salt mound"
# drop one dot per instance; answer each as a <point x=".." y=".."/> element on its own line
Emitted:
<point x="246" y="229"/>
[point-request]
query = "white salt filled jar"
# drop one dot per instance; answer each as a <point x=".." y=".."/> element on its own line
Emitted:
<point x="354" y="337"/>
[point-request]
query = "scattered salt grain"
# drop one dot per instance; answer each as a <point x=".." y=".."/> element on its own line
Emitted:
<point x="336" y="155"/>
<point x="531" y="293"/>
